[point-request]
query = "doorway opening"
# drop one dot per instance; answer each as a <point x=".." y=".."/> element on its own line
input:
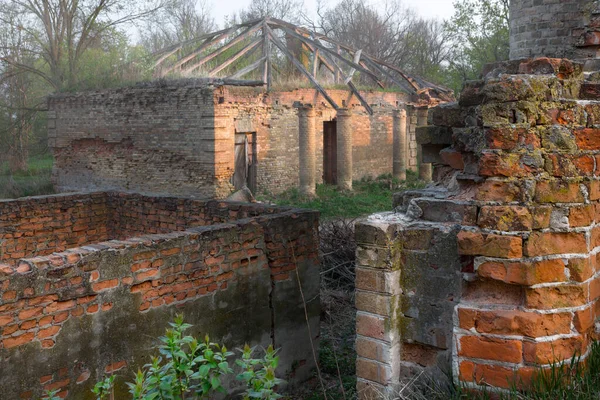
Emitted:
<point x="245" y="161"/>
<point x="330" y="152"/>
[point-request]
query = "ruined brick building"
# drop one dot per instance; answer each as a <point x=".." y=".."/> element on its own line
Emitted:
<point x="207" y="137"/>
<point x="508" y="233"/>
<point x="89" y="280"/>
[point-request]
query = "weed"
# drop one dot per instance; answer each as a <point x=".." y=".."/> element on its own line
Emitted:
<point x="368" y="196"/>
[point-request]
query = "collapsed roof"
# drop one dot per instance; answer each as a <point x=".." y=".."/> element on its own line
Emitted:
<point x="231" y="54"/>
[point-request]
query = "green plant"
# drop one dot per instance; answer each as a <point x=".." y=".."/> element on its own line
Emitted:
<point x="259" y="374"/>
<point x="191" y="369"/>
<point x="186" y="368"/>
<point x="103" y="389"/>
<point x="52" y="395"/>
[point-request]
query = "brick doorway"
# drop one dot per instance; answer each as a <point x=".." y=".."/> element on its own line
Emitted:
<point x="245" y="161"/>
<point x="330" y="152"/>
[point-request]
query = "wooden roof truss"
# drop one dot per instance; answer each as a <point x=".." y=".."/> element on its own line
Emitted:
<point x="342" y="61"/>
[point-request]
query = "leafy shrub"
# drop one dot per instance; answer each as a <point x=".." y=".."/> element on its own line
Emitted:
<point x="191" y="369"/>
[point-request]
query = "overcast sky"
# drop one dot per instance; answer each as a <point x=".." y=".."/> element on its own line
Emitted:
<point x="427" y="8"/>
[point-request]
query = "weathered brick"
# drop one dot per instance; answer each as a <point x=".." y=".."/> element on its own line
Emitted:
<point x="556" y="350"/>
<point x="491" y="349"/>
<point x="545" y="243"/>
<point x="524" y="273"/>
<point x="505" y="218"/>
<point x="476" y="243"/>
<point x="553" y="297"/>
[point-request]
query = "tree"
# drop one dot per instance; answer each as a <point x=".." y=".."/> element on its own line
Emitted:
<point x="57" y="45"/>
<point x="480" y="34"/>
<point x="60" y="32"/>
<point x="177" y="22"/>
<point x="287" y="10"/>
<point x="17" y="98"/>
<point x="392" y="33"/>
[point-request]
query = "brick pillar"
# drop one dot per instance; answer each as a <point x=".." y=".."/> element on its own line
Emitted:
<point x="411" y="152"/>
<point x="400" y="150"/>
<point x="378" y="305"/>
<point x="425" y="169"/>
<point x="223" y="145"/>
<point x="508" y="238"/>
<point x="344" y="149"/>
<point x="307" y="147"/>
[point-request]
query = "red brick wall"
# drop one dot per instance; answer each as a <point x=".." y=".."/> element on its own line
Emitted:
<point x="498" y="261"/>
<point x="68" y="318"/>
<point x="39" y="226"/>
<point x="275" y="120"/>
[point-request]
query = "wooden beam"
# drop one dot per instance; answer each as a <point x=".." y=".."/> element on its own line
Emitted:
<point x="408" y="88"/>
<point x="247" y="69"/>
<point x="234" y="58"/>
<point x="267" y="70"/>
<point x="360" y="98"/>
<point x="301" y="68"/>
<point x="377" y="81"/>
<point x="353" y="70"/>
<point x="233" y="42"/>
<point x="329" y="51"/>
<point x="315" y="67"/>
<point x="235" y="82"/>
<point x="224" y="33"/>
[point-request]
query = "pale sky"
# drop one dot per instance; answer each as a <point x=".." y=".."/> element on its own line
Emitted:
<point x="426" y="8"/>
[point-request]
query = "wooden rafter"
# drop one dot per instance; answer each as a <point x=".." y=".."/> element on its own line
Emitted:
<point x="242" y="36"/>
<point x="251" y="46"/>
<point x="300" y="67"/>
<point x="260" y="34"/>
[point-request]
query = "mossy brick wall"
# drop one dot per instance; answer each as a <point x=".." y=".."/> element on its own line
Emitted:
<point x="69" y="318"/>
<point x="554" y="28"/>
<point x="274" y="118"/>
<point x="492" y="273"/>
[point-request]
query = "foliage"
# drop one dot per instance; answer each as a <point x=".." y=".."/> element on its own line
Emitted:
<point x="368" y="196"/>
<point x="34" y="181"/>
<point x="259" y="374"/>
<point x="103" y="389"/>
<point x="178" y="21"/>
<point x="390" y="32"/>
<point x="52" y="395"/>
<point x="479" y="31"/>
<point x="191" y="369"/>
<point x="186" y="366"/>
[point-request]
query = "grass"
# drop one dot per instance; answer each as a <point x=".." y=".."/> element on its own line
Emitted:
<point x="35" y="181"/>
<point x="367" y="197"/>
<point x="574" y="379"/>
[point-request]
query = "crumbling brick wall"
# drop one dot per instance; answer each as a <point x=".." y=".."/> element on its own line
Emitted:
<point x="274" y="118"/>
<point x="33" y="226"/>
<point x="178" y="137"/>
<point x="150" y="138"/>
<point x="491" y="273"/>
<point x="69" y="318"/>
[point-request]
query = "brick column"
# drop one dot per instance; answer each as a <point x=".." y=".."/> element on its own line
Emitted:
<point x="223" y="147"/>
<point x="307" y="146"/>
<point x="508" y="238"/>
<point x="411" y="151"/>
<point x="378" y="305"/>
<point x="344" y="149"/>
<point x="425" y="170"/>
<point x="400" y="156"/>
